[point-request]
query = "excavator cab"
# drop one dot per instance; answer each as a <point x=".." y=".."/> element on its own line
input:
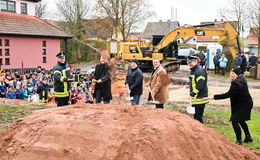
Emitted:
<point x="171" y="50"/>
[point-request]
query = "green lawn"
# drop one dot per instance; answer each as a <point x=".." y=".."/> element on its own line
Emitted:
<point x="218" y="119"/>
<point x="9" y="114"/>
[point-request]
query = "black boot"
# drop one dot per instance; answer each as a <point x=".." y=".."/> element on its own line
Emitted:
<point x="248" y="139"/>
<point x="238" y="142"/>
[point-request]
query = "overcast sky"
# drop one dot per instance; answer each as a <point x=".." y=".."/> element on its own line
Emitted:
<point x="188" y="11"/>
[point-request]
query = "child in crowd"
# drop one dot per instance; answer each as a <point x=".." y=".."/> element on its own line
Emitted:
<point x="30" y="89"/>
<point x="24" y="92"/>
<point x="43" y="90"/>
<point x="81" y="95"/>
<point x="2" y="88"/>
<point x="18" y="92"/>
<point x="51" y="98"/>
<point x="10" y="94"/>
<point x="73" y="94"/>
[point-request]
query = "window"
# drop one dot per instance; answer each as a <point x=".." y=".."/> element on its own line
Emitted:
<point x="11" y="6"/>
<point x="1" y="52"/>
<point x="44" y="51"/>
<point x="1" y="61"/>
<point x="23" y="8"/>
<point x="7" y="42"/>
<point x="44" y="60"/>
<point x="133" y="49"/>
<point x="44" y="44"/>
<point x="4" y="5"/>
<point x="7" y="5"/>
<point x="7" y="52"/>
<point x="0" y="42"/>
<point x="7" y="61"/>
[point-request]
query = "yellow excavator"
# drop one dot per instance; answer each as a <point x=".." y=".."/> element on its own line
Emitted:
<point x="167" y="49"/>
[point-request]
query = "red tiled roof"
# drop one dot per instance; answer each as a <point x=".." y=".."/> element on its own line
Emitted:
<point x="252" y="38"/>
<point x="25" y="25"/>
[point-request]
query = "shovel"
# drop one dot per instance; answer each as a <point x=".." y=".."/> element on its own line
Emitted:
<point x="153" y="100"/>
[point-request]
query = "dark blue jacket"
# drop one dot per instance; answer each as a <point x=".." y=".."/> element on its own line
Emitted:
<point x="238" y="62"/>
<point x="198" y="85"/>
<point x="10" y="95"/>
<point x="216" y="59"/>
<point x="18" y="94"/>
<point x="2" y="88"/>
<point x="134" y="79"/>
<point x="252" y="60"/>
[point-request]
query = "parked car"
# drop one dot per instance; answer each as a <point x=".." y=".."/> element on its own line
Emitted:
<point x="184" y="52"/>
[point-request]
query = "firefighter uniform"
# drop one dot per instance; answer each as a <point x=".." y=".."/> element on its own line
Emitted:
<point x="198" y="90"/>
<point x="62" y="79"/>
<point x="43" y="90"/>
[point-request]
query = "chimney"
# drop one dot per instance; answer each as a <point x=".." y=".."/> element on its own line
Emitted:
<point x="175" y="14"/>
<point x="172" y="14"/>
<point x="215" y="20"/>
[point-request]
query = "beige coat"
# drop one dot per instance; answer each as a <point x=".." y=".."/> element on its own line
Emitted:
<point x="159" y="85"/>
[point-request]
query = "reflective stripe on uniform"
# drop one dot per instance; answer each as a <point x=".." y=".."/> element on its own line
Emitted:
<point x="43" y="100"/>
<point x="61" y="94"/>
<point x="65" y="83"/>
<point x="62" y="79"/>
<point x="65" y="93"/>
<point x="199" y="101"/>
<point x="200" y="77"/>
<point x="194" y="87"/>
<point x="58" y="72"/>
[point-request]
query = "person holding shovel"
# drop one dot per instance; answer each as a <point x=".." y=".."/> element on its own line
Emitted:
<point x="158" y="85"/>
<point x="134" y="79"/>
<point x="198" y="87"/>
<point x="102" y="80"/>
<point x="241" y="104"/>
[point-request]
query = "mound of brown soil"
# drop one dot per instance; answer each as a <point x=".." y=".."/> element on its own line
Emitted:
<point x="114" y="132"/>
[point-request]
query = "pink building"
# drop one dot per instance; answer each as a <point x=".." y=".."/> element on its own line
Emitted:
<point x="28" y="40"/>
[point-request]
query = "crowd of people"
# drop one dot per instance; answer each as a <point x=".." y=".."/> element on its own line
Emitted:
<point x="245" y="64"/>
<point x="37" y="85"/>
<point x="62" y="87"/>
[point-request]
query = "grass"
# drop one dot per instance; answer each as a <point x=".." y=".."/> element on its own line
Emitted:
<point x="226" y="76"/>
<point x="218" y="119"/>
<point x="9" y="114"/>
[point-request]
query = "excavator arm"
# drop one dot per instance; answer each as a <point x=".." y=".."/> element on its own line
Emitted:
<point x="196" y="31"/>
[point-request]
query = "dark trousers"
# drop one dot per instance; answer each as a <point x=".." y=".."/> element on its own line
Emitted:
<point x="223" y="70"/>
<point x="199" y="110"/>
<point x="99" y="97"/>
<point x="159" y="105"/>
<point x="62" y="101"/>
<point x="237" y="129"/>
<point x="136" y="100"/>
<point x="217" y="67"/>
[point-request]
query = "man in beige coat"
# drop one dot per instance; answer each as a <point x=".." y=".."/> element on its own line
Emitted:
<point x="159" y="84"/>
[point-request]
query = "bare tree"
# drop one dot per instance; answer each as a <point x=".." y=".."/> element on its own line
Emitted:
<point x="41" y="9"/>
<point x="73" y="12"/>
<point x="254" y="19"/>
<point x="235" y="11"/>
<point x="126" y="15"/>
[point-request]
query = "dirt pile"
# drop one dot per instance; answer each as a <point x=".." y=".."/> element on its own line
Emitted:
<point x="114" y="132"/>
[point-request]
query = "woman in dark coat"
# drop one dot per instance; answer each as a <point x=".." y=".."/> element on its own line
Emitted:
<point x="102" y="82"/>
<point x="241" y="104"/>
